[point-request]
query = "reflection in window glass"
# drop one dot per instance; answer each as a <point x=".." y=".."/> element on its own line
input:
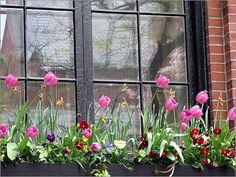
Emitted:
<point x="171" y="6"/>
<point x="15" y="2"/>
<point x="65" y="111"/>
<point x="181" y="96"/>
<point x="11" y="42"/>
<point x="119" y="97"/>
<point x="115" y="47"/>
<point x="114" y="4"/>
<point x="163" y="48"/>
<point x="50" y="43"/>
<point x="10" y="101"/>
<point x="50" y="3"/>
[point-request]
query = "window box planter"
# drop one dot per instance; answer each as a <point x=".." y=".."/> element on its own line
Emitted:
<point x="28" y="169"/>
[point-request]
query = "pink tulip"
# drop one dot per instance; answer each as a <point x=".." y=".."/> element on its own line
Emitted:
<point x="162" y="82"/>
<point x="50" y="79"/>
<point x="185" y="115"/>
<point x="87" y="132"/>
<point x="32" y="131"/>
<point x="196" y="112"/>
<point x="3" y="130"/>
<point x="183" y="126"/>
<point x="202" y="97"/>
<point x="104" y="101"/>
<point x="11" y="81"/>
<point x="171" y="104"/>
<point x="232" y="114"/>
<point x="95" y="147"/>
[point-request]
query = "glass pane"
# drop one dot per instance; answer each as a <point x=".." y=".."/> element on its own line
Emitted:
<point x="181" y="96"/>
<point x="10" y="101"/>
<point x="171" y="6"/>
<point x="114" y="4"/>
<point x="50" y="43"/>
<point x="14" y="2"/>
<point x="65" y="111"/>
<point x="115" y="47"/>
<point x="50" y="3"/>
<point x="11" y="42"/>
<point x="118" y="100"/>
<point x="163" y="48"/>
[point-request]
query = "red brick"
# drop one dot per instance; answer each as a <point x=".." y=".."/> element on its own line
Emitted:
<point x="222" y="115"/>
<point x="216" y="67"/>
<point x="214" y="31"/>
<point x="231" y="2"/>
<point x="215" y="58"/>
<point x="217" y="76"/>
<point x="231" y="74"/>
<point x="217" y="86"/>
<point x="214" y="13"/>
<point x="215" y="40"/>
<point x="229" y="27"/>
<point x="214" y="4"/>
<point x="215" y="22"/>
<point x="215" y="49"/>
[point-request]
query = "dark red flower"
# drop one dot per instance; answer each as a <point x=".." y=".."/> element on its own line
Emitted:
<point x="83" y="124"/>
<point x="143" y="138"/>
<point x="67" y="150"/>
<point x="194" y="133"/>
<point x="164" y="154"/>
<point x="152" y="154"/>
<point x="225" y="152"/>
<point x="206" y="143"/>
<point x="78" y="145"/>
<point x="143" y="145"/>
<point x="232" y="154"/>
<point x="216" y="131"/>
<point x="204" y="152"/>
<point x="175" y="153"/>
<point x="200" y="141"/>
<point x="206" y="161"/>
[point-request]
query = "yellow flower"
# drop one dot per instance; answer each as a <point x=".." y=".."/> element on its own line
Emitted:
<point x="60" y="102"/>
<point x="120" y="144"/>
<point x="124" y="102"/>
<point x="85" y="139"/>
<point x="41" y="96"/>
<point x="125" y="88"/>
<point x="85" y="148"/>
<point x="4" y="107"/>
<point x="16" y="89"/>
<point x="43" y="85"/>
<point x="171" y="93"/>
<point x="102" y="119"/>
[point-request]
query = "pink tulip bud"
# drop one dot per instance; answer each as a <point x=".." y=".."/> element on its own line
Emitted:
<point x="171" y="104"/>
<point x="87" y="132"/>
<point x="232" y="114"/>
<point x="202" y="97"/>
<point x="104" y="101"/>
<point x="162" y="82"/>
<point x="196" y="112"/>
<point x="183" y="126"/>
<point x="185" y="115"/>
<point x="50" y="79"/>
<point x="11" y="81"/>
<point x="32" y="131"/>
<point x="3" y="130"/>
<point x="95" y="147"/>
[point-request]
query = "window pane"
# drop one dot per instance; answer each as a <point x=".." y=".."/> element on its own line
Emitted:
<point x="114" y="4"/>
<point x="11" y="43"/>
<point x="114" y="91"/>
<point x="115" y="47"/>
<point x="171" y="6"/>
<point x="50" y="3"/>
<point x="181" y="96"/>
<point x="66" y="112"/>
<point x="15" y="2"/>
<point x="163" y="48"/>
<point x="10" y="101"/>
<point x="50" y="43"/>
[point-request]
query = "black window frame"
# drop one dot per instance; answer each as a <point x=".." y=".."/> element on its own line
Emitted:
<point x="83" y="53"/>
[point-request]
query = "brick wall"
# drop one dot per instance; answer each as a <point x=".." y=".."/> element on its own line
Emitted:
<point x="221" y="50"/>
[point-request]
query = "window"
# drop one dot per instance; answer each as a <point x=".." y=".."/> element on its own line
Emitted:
<point x="95" y="47"/>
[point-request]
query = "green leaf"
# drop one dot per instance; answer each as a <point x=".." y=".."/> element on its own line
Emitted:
<point x="23" y="144"/>
<point x="150" y="142"/>
<point x="162" y="146"/>
<point x="179" y="151"/>
<point x="171" y="156"/>
<point x="12" y="151"/>
<point x="21" y="113"/>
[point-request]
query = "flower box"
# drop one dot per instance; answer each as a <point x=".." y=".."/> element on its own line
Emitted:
<point x="30" y="169"/>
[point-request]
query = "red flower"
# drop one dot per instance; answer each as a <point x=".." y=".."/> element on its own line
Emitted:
<point x="204" y="152"/>
<point x="216" y="131"/>
<point x="232" y="154"/>
<point x="143" y="138"/>
<point x="152" y="154"/>
<point x="164" y="154"/>
<point x="225" y="152"/>
<point x="200" y="141"/>
<point x="143" y="145"/>
<point x="206" y="143"/>
<point x="83" y="124"/>
<point x="194" y="141"/>
<point x="67" y="150"/>
<point x="78" y="145"/>
<point x="206" y="161"/>
<point x="194" y="133"/>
